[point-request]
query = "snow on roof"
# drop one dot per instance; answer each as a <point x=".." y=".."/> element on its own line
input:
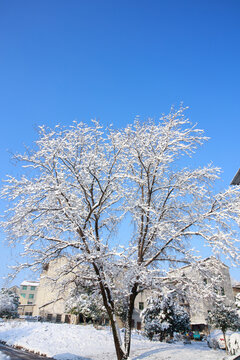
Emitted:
<point x="200" y="322"/>
<point x="210" y="258"/>
<point x="236" y="285"/>
<point x="30" y="283"/>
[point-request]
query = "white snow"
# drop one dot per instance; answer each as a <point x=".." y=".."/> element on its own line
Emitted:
<point x="72" y="342"/>
<point x="30" y="283"/>
<point x="234" y="343"/>
<point x="3" y="356"/>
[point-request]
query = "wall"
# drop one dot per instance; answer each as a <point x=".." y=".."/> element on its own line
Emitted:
<point x="50" y="304"/>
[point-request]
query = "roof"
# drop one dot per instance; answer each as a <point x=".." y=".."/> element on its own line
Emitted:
<point x="236" y="179"/>
<point x="236" y="286"/>
<point x="211" y="258"/>
<point x="30" y="283"/>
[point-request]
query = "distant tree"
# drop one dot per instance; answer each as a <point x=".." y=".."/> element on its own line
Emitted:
<point x="89" y="305"/>
<point x="79" y="185"/>
<point x="9" y="302"/>
<point x="122" y="309"/>
<point x="224" y="317"/>
<point x="163" y="316"/>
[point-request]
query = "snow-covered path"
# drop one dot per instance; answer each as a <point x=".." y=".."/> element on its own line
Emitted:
<point x="71" y="342"/>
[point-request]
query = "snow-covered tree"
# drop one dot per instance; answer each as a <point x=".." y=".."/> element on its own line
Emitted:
<point x="224" y="317"/>
<point x="163" y="316"/>
<point x="89" y="305"/>
<point x="8" y="304"/>
<point x="81" y="182"/>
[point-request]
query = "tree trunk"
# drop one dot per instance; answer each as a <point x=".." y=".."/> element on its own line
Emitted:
<point x="109" y="306"/>
<point x="225" y="340"/>
<point x="122" y="354"/>
<point x="128" y="330"/>
<point x="116" y="337"/>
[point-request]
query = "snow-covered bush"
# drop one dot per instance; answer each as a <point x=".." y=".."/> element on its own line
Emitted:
<point x="233" y="343"/>
<point x="3" y="356"/>
<point x="224" y="317"/>
<point x="8" y="304"/>
<point x="163" y="316"/>
<point x="88" y="305"/>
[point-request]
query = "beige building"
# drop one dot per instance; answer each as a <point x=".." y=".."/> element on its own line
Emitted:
<point x="209" y="274"/>
<point x="50" y="302"/>
<point x="14" y="289"/>
<point x="51" y="299"/>
<point x="236" y="289"/>
<point x="27" y="297"/>
<point x="139" y="306"/>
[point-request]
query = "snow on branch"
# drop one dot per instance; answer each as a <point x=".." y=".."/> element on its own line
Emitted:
<point x="80" y="183"/>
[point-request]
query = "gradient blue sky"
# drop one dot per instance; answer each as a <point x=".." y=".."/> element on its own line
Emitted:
<point x="113" y="60"/>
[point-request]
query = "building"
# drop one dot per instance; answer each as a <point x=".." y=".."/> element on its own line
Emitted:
<point x="14" y="289"/>
<point x="236" y="179"/>
<point x="50" y="302"/>
<point x="209" y="278"/>
<point x="27" y="297"/>
<point x="207" y="275"/>
<point x="51" y="298"/>
<point x="139" y="305"/>
<point x="236" y="289"/>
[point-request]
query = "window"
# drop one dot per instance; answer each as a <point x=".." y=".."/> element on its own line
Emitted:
<point x="31" y="296"/>
<point x="33" y="287"/>
<point x="49" y="317"/>
<point x="222" y="291"/>
<point x="24" y="287"/>
<point x="23" y="295"/>
<point x="141" y="305"/>
<point x="58" y="318"/>
<point x="67" y="319"/>
<point x="139" y="325"/>
<point x="27" y="313"/>
<point x="29" y="302"/>
<point x="205" y="281"/>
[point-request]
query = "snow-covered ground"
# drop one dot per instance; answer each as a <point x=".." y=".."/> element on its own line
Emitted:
<point x="63" y="341"/>
<point x="3" y="356"/>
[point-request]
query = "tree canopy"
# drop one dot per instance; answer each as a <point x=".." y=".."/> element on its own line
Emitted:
<point x="8" y="303"/>
<point x="163" y="316"/>
<point x="80" y="183"/>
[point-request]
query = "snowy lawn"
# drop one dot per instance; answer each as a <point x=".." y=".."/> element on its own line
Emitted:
<point x="3" y="356"/>
<point x="79" y="342"/>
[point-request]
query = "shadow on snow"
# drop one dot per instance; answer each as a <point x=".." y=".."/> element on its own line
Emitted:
<point x="161" y="350"/>
<point x="67" y="356"/>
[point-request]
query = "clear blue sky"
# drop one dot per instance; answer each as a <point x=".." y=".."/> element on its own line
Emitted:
<point x="113" y="60"/>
